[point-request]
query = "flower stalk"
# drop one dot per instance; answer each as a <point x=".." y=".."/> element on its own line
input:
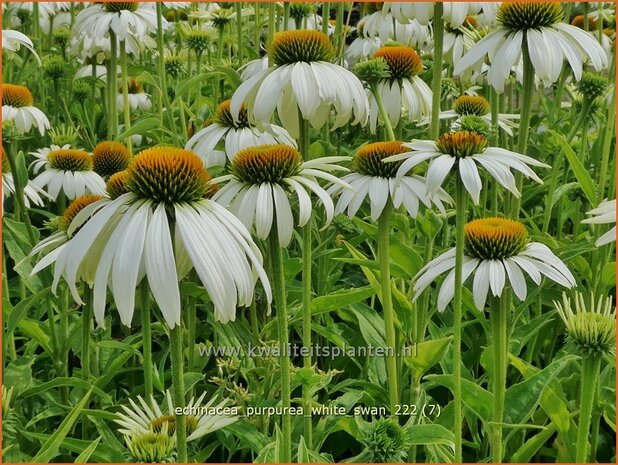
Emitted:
<point x="178" y="386"/>
<point x="125" y="93"/>
<point x="384" y="230"/>
<point x="284" y="360"/>
<point x="591" y="366"/>
<point x="436" y="83"/>
<point x="146" y="338"/>
<point x="499" y="339"/>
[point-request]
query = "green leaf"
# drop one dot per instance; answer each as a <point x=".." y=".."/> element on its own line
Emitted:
<point x="427" y="354"/>
<point x="50" y="448"/>
<point x="406" y="257"/>
<point x="608" y="276"/>
<point x="429" y="434"/>
<point x="71" y="382"/>
<point x="477" y="399"/>
<point x="34" y="329"/>
<point x="340" y="299"/>
<point x="522" y="398"/>
<point x="21" y="309"/>
<point x="191" y="83"/>
<point x="84" y="456"/>
<point x="303" y="452"/>
<point x="141" y="127"/>
<point x="581" y="173"/>
<point x="525" y="453"/>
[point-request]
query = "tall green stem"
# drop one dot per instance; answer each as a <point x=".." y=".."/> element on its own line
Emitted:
<point x="284" y="360"/>
<point x="384" y="230"/>
<point x="382" y="109"/>
<point x="303" y="146"/>
<point x="146" y="338"/>
<point x="113" y="85"/>
<point x="162" y="73"/>
<point x="239" y="32"/>
<point x="178" y="387"/>
<point x="499" y="339"/>
<point x="605" y="151"/>
<point x="495" y="134"/>
<point x="590" y="373"/>
<point x="436" y="83"/>
<point x="524" y="120"/>
<point x="125" y="93"/>
<point x="87" y="313"/>
<point x="20" y="202"/>
<point x="460" y="205"/>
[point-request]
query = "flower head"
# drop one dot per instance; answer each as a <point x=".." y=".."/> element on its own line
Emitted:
<point x="375" y="179"/>
<point x="462" y="151"/>
<point x="151" y="447"/>
<point x="496" y="251"/>
<point x="403" y="62"/>
<point x="237" y="133"/>
<point x="471" y="105"/>
<point x="260" y="180"/>
<point x="302" y="79"/>
<point x="167" y="196"/>
<point x="538" y="27"/>
<point x="18" y="107"/>
<point x="591" y="327"/>
<point x="110" y="157"/>
<point x="384" y="441"/>
<point x="117" y="185"/>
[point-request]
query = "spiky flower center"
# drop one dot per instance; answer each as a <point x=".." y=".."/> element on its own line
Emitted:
<point x="168" y="175"/>
<point x="385" y="442"/>
<point x="290" y="47"/>
<point x="135" y="87"/>
<point x="460" y="144"/>
<point x="117" y="185"/>
<point x="16" y="96"/>
<point x="266" y="163"/>
<point x="469" y="23"/>
<point x="199" y="40"/>
<point x="592" y="334"/>
<point x="54" y="67"/>
<point x="300" y="10"/>
<point x="592" y="85"/>
<point x="471" y="105"/>
<point x="403" y="62"/>
<point x="150" y="447"/>
<point x="578" y="21"/>
<point x="75" y="207"/>
<point x="494" y="238"/>
<point x="117" y="7"/>
<point x="368" y="159"/>
<point x="168" y="422"/>
<point x="110" y="157"/>
<point x="519" y="16"/>
<point x="223" y="116"/>
<point x="70" y="160"/>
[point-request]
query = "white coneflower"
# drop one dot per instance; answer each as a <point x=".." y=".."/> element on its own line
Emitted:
<point x="457" y="41"/>
<point x="496" y="250"/>
<point x="605" y="213"/>
<point x="372" y="178"/>
<point x="463" y="151"/>
<point x="32" y="193"/>
<point x="403" y="89"/>
<point x="475" y="105"/>
<point x="149" y="417"/>
<point x="379" y="23"/>
<point x="66" y="171"/>
<point x="303" y="78"/>
<point x="363" y="46"/>
<point x="134" y="231"/>
<point x="538" y="27"/>
<point x="13" y="40"/>
<point x="237" y="135"/>
<point x="261" y="179"/>
<point x="123" y="18"/>
<point x="138" y="99"/>
<point x="253" y="67"/>
<point x="18" y="106"/>
<point x="52" y="245"/>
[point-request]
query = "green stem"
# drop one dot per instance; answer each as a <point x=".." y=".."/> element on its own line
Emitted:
<point x="271" y="30"/>
<point x="86" y="328"/>
<point x="112" y="77"/>
<point x="146" y="339"/>
<point x="524" y="121"/>
<point x="499" y="339"/>
<point x="256" y="38"/>
<point x="286" y="15"/>
<point x="21" y="212"/>
<point x="384" y="230"/>
<point x="436" y="83"/>
<point x="162" y="73"/>
<point x="605" y="151"/>
<point x="284" y="360"/>
<point x="125" y="93"/>
<point x="589" y="377"/>
<point x="460" y="205"/>
<point x="178" y="386"/>
<point x="303" y="146"/>
<point x="239" y="32"/>
<point x="382" y="109"/>
<point x="325" y="17"/>
<point x="495" y="103"/>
